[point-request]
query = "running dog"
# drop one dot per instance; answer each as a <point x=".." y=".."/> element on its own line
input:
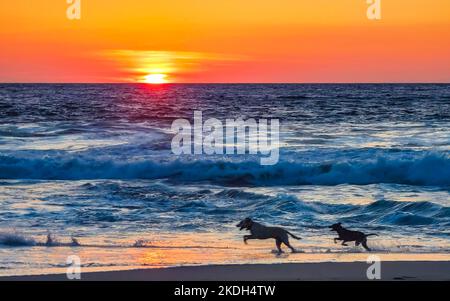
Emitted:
<point x="259" y="231"/>
<point x="348" y="235"/>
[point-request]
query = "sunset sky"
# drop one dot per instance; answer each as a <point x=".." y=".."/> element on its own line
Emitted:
<point x="224" y="41"/>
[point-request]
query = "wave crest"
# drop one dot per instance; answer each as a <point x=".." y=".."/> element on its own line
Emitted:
<point x="411" y="169"/>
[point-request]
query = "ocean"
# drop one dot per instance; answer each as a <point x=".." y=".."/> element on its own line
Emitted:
<point x="94" y="162"/>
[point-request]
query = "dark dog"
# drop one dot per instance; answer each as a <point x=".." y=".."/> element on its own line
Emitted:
<point x="347" y="235"/>
<point x="259" y="231"/>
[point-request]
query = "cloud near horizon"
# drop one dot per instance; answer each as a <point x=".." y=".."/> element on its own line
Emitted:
<point x="135" y="65"/>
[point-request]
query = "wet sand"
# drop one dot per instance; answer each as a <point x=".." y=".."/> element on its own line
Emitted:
<point x="391" y="270"/>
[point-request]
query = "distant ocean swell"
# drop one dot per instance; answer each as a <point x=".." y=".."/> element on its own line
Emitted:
<point x="421" y="168"/>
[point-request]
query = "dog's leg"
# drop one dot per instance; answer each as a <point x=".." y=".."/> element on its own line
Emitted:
<point x="344" y="243"/>
<point x="364" y="244"/>
<point x="286" y="242"/>
<point x="278" y="244"/>
<point x="247" y="237"/>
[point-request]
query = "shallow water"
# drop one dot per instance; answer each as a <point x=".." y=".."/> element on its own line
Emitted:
<point x="94" y="162"/>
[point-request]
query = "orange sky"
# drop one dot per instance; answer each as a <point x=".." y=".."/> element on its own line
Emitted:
<point x="225" y="41"/>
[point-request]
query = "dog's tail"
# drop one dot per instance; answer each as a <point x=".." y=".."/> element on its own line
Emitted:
<point x="296" y="237"/>
<point x="372" y="234"/>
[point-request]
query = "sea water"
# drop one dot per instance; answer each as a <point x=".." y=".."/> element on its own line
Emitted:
<point x="94" y="162"/>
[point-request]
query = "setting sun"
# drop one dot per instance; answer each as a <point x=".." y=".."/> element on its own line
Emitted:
<point x="155" y="78"/>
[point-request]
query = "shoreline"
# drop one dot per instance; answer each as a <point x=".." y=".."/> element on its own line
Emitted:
<point x="330" y="271"/>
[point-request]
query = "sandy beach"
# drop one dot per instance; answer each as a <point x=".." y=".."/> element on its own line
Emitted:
<point x="332" y="271"/>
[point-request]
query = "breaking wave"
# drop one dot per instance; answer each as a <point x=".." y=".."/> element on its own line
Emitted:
<point x="396" y="168"/>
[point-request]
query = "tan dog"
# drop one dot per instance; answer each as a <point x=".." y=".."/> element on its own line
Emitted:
<point x="259" y="231"/>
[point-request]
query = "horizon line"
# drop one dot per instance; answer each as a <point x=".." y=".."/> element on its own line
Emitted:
<point x="220" y="83"/>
